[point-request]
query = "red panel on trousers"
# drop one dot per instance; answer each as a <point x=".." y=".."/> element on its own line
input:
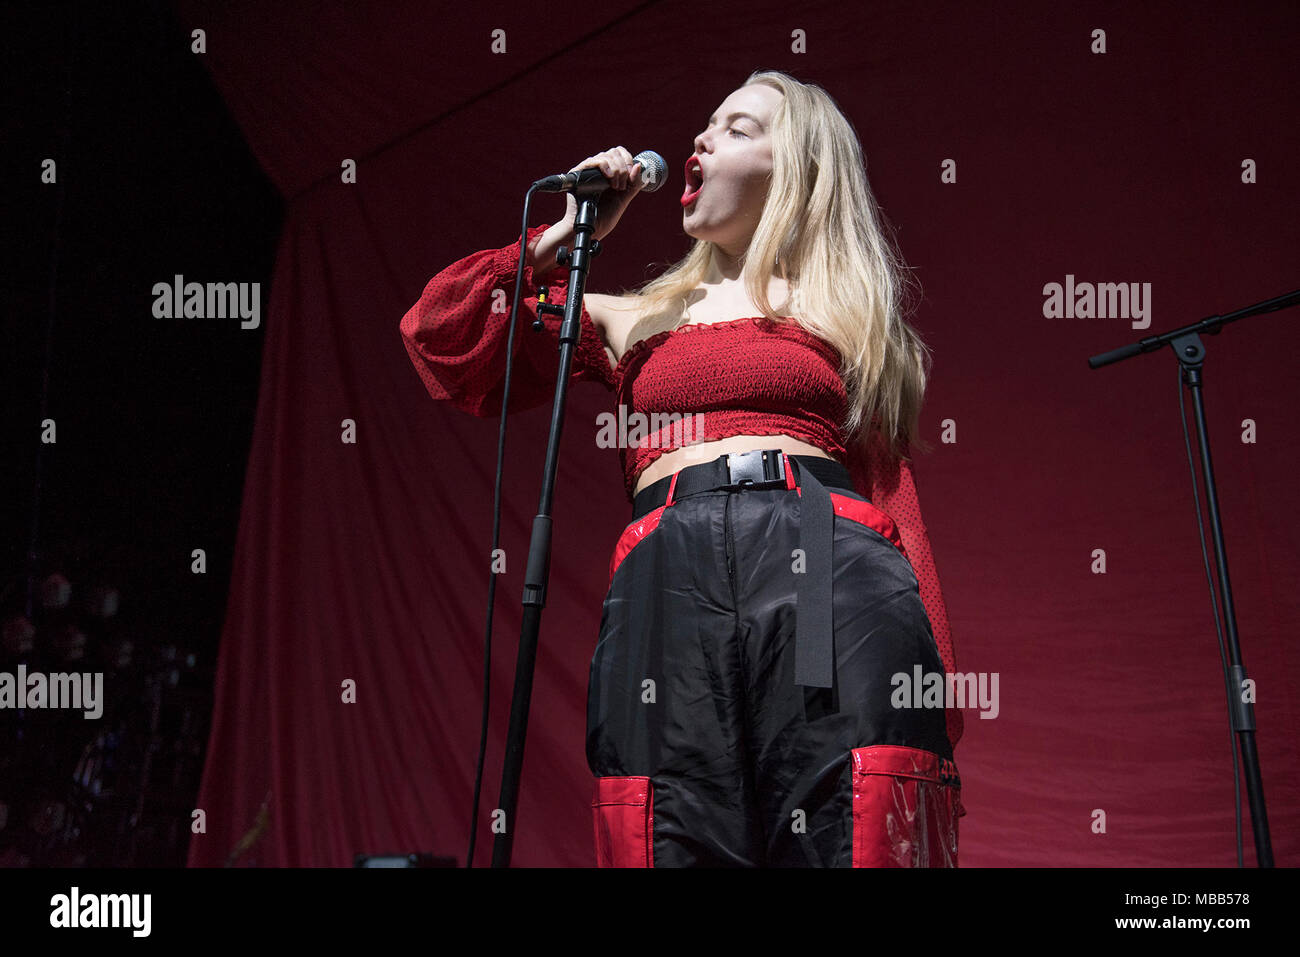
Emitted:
<point x="622" y="811"/>
<point x="867" y="514"/>
<point x="632" y="535"/>
<point x="906" y="802"/>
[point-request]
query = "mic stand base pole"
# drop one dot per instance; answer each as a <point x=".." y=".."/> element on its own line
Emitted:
<point x="1191" y="353"/>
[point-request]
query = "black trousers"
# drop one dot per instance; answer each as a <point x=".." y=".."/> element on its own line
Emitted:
<point x="705" y="750"/>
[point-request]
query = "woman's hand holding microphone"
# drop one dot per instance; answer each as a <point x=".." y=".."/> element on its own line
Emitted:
<point x="624" y="177"/>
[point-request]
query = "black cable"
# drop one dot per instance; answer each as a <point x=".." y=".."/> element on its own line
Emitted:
<point x="496" y="529"/>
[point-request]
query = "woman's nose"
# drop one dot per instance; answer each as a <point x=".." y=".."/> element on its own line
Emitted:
<point x="700" y="144"/>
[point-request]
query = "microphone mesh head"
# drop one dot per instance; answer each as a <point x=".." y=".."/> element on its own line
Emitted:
<point x="654" y="171"/>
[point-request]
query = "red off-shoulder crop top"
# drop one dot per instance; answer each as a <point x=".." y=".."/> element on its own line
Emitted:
<point x="744" y="376"/>
<point x="696" y="383"/>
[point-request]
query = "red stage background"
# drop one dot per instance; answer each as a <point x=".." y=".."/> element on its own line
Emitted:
<point x="356" y="561"/>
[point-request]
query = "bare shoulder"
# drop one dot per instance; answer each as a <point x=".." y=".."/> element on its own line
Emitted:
<point x="614" y="317"/>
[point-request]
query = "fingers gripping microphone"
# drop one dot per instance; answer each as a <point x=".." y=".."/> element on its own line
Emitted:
<point x="654" y="171"/>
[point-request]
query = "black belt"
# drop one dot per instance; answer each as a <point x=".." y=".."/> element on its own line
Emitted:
<point x="814" y="653"/>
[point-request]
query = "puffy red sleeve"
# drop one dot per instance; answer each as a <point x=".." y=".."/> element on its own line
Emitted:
<point x="456" y="334"/>
<point x="888" y="483"/>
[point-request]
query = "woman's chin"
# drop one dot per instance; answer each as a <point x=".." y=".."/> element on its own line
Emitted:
<point x="692" y="226"/>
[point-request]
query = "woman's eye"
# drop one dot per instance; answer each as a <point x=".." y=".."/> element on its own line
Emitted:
<point x="734" y="130"/>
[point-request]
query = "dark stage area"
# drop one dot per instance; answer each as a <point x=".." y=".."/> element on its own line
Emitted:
<point x="152" y="420"/>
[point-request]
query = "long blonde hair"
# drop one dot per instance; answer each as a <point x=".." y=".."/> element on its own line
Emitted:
<point x="821" y="226"/>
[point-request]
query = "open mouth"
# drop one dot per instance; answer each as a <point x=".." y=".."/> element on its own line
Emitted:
<point x="694" y="181"/>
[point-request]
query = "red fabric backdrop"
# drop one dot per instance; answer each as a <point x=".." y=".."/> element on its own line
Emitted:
<point x="354" y="561"/>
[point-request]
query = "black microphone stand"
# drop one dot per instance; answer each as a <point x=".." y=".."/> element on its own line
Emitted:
<point x="1190" y="350"/>
<point x="539" y="547"/>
